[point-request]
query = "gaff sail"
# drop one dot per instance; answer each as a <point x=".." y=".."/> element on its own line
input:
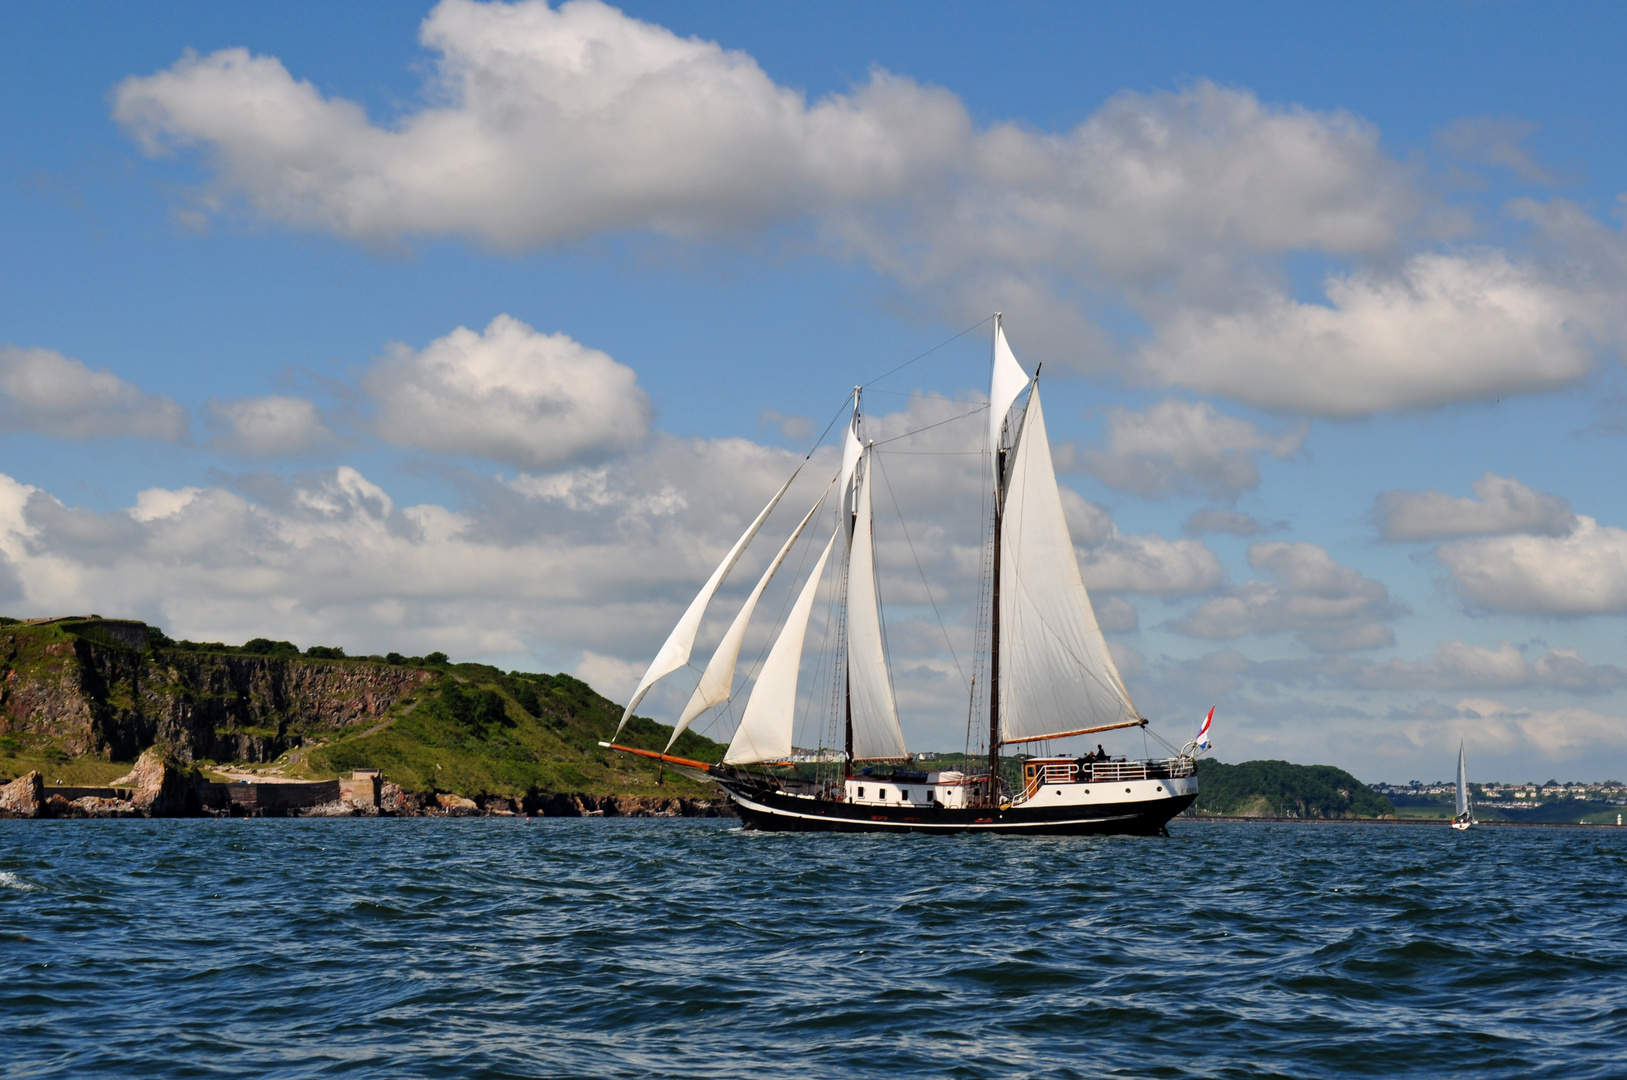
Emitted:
<point x="1057" y="676"/>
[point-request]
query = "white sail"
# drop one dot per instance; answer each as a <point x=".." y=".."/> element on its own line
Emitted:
<point x="876" y="735"/>
<point x="852" y="449"/>
<point x="675" y="653"/>
<point x="717" y="682"/>
<point x="1463" y="785"/>
<point x="764" y="733"/>
<point x="1005" y="384"/>
<point x="1056" y="675"/>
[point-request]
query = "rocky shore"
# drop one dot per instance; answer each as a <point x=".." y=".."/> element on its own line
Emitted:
<point x="159" y="787"/>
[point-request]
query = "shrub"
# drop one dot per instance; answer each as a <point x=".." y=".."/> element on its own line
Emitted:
<point x="325" y="652"/>
<point x="394" y="658"/>
<point x="437" y="659"/>
<point x="266" y="647"/>
<point x="477" y="710"/>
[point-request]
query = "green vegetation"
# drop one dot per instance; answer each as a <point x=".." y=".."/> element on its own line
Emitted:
<point x="1283" y="789"/>
<point x="477" y="729"/>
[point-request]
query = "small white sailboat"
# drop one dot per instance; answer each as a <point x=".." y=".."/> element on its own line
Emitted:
<point x="1050" y="674"/>
<point x="1465" y="814"/>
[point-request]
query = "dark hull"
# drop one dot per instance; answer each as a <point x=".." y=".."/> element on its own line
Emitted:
<point x="778" y="812"/>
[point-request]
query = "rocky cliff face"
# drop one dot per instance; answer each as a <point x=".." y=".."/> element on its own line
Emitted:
<point x="100" y="695"/>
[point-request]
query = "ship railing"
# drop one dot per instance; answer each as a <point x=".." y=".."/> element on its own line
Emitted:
<point x="1103" y="772"/>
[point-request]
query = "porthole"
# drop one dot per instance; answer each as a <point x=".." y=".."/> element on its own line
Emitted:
<point x="1160" y="787"/>
<point x="1127" y="791"/>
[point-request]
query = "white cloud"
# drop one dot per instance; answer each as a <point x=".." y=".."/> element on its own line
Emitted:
<point x="1502" y="505"/>
<point x="269" y="426"/>
<point x="510" y="394"/>
<point x="42" y="390"/>
<point x="1583" y="572"/>
<point x="1185" y="447"/>
<point x="616" y="679"/>
<point x="547" y="126"/>
<point x="1548" y="734"/>
<point x="542" y="126"/>
<point x="1327" y="606"/>
<point x="1147" y="563"/>
<point x="1444" y="328"/>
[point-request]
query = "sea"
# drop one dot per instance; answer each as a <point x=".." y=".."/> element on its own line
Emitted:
<point x="502" y="947"/>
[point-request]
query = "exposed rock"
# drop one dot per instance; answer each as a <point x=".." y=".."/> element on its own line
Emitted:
<point x="24" y="797"/>
<point x="91" y="806"/>
<point x="164" y="788"/>
<point x="339" y="808"/>
<point x="456" y="805"/>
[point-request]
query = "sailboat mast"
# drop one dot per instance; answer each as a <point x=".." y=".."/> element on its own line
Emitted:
<point x="851" y="509"/>
<point x="994" y="613"/>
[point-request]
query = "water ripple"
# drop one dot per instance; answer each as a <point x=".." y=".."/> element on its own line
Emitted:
<point x="505" y="948"/>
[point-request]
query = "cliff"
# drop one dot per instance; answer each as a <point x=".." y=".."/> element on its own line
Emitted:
<point x="78" y="696"/>
<point x="94" y="687"/>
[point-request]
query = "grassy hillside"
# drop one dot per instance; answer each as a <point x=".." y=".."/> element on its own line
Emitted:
<point x="1283" y="789"/>
<point x="477" y="729"/>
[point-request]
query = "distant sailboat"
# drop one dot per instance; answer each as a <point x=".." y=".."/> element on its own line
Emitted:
<point x="1465" y="816"/>
<point x="1050" y="674"/>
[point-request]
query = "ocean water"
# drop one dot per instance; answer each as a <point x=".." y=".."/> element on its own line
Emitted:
<point x="673" y="948"/>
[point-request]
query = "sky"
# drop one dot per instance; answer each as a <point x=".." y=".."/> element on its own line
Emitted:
<point x="487" y="328"/>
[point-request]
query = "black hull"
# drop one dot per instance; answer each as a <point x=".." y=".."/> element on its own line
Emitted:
<point x="778" y="812"/>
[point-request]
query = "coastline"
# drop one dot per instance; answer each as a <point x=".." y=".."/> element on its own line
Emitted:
<point x="1222" y="819"/>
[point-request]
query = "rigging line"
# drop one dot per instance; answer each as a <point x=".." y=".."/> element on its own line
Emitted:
<point x="929" y="427"/>
<point x="821" y="440"/>
<point x="929" y="352"/>
<point x="920" y="570"/>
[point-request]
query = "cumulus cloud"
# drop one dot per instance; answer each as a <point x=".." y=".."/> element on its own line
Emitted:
<point x="1583" y="572"/>
<point x="1443" y="328"/>
<point x="1501" y="505"/>
<point x="510" y="394"/>
<point x="547" y="126"/>
<point x="1549" y="734"/>
<point x="1328" y="607"/>
<point x="268" y="426"/>
<point x="1147" y="563"/>
<point x="42" y="390"/>
<point x="544" y="126"/>
<point x="1185" y="447"/>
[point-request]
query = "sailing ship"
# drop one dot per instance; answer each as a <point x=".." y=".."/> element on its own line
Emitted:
<point x="1050" y="675"/>
<point x="1464" y="815"/>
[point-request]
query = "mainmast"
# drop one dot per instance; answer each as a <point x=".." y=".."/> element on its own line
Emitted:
<point x="994" y="606"/>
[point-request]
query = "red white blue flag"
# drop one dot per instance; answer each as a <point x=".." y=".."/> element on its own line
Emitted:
<point x="1203" y="734"/>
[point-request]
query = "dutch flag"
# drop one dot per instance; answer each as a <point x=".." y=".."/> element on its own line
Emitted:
<point x="1203" y="734"/>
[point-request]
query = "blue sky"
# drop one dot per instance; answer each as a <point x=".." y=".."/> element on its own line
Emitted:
<point x="486" y="328"/>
